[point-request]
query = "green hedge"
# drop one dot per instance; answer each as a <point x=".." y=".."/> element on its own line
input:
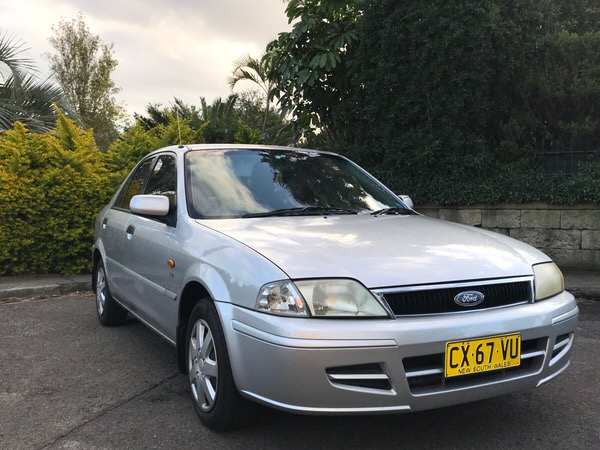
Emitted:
<point x="52" y="186"/>
<point x="452" y="100"/>
<point x="463" y="181"/>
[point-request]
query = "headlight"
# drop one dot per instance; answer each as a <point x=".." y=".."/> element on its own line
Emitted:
<point x="323" y="298"/>
<point x="281" y="297"/>
<point x="548" y="280"/>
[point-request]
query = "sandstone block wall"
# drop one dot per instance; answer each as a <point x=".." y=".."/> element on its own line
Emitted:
<point x="568" y="234"/>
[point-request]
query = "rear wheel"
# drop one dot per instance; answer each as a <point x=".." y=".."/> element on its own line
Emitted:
<point x="214" y="394"/>
<point x="109" y="311"/>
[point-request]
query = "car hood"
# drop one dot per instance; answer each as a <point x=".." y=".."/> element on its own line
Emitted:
<point x="381" y="251"/>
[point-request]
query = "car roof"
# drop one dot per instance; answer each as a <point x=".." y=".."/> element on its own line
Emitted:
<point x="194" y="147"/>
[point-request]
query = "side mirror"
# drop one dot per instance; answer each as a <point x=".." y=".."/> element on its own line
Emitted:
<point x="407" y="201"/>
<point x="150" y="205"/>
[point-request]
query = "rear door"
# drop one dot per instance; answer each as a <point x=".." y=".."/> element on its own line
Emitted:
<point x="114" y="225"/>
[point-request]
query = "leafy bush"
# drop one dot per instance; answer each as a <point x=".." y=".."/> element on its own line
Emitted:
<point x="137" y="142"/>
<point x="52" y="186"/>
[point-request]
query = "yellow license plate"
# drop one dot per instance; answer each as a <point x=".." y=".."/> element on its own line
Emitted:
<point x="482" y="355"/>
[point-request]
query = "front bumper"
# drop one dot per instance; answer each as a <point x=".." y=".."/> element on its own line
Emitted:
<point x="321" y="366"/>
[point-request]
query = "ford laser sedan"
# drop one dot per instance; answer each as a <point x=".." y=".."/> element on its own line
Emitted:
<point x="294" y="279"/>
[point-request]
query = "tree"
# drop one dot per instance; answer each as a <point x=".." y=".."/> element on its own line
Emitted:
<point x="83" y="65"/>
<point x="255" y="70"/>
<point x="253" y="114"/>
<point x="159" y="115"/>
<point x="22" y="96"/>
<point x="312" y="66"/>
<point x="220" y="121"/>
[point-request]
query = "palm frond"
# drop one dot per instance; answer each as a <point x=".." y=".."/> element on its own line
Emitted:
<point x="32" y="103"/>
<point x="252" y="69"/>
<point x="13" y="63"/>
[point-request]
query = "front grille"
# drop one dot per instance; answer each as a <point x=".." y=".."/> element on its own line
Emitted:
<point x="425" y="374"/>
<point x="441" y="300"/>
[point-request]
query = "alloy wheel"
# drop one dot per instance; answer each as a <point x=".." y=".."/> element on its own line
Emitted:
<point x="100" y="290"/>
<point x="202" y="366"/>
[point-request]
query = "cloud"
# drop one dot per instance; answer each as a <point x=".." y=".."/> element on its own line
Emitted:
<point x="165" y="48"/>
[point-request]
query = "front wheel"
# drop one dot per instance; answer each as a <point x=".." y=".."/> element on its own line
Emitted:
<point x="214" y="394"/>
<point x="108" y="310"/>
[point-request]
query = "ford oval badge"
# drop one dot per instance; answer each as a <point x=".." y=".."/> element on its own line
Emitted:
<point x="469" y="298"/>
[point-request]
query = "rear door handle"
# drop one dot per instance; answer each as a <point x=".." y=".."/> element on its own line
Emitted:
<point x="104" y="222"/>
<point x="130" y="230"/>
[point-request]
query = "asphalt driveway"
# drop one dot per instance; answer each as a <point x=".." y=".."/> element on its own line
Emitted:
<point x="68" y="383"/>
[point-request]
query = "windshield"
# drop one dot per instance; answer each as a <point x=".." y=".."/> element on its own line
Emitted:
<point x="228" y="183"/>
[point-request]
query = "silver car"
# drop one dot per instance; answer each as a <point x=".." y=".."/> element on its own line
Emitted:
<point x="294" y="279"/>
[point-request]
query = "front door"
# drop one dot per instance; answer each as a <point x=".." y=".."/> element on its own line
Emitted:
<point x="145" y="244"/>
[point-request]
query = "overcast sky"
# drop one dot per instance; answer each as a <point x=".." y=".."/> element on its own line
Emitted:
<point x="165" y="48"/>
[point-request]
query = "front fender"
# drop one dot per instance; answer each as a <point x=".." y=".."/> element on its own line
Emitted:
<point x="229" y="270"/>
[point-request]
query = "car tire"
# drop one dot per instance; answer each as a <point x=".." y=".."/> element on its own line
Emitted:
<point x="110" y="313"/>
<point x="214" y="395"/>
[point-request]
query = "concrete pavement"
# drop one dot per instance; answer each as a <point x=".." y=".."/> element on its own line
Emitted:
<point x="42" y="285"/>
<point x="583" y="284"/>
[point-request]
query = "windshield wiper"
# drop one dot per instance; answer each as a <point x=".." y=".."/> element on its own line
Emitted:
<point x="301" y="211"/>
<point x="393" y="210"/>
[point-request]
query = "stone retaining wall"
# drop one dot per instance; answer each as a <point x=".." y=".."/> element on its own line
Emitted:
<point x="568" y="234"/>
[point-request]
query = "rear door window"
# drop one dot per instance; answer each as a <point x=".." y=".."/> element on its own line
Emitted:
<point x="135" y="184"/>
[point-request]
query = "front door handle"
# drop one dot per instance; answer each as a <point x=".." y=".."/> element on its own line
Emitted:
<point x="130" y="230"/>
